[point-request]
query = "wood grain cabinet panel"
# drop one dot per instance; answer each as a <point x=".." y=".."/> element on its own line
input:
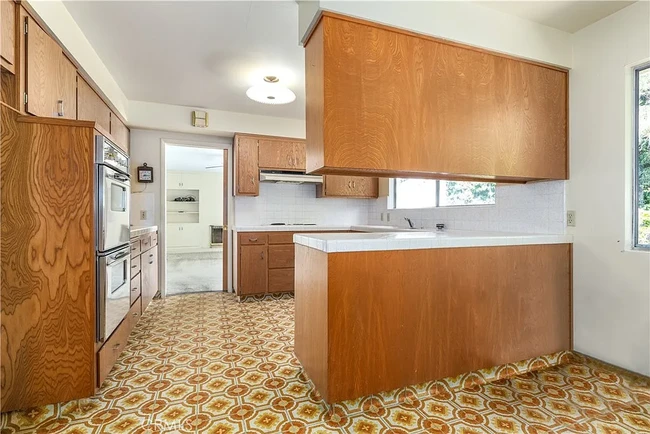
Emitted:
<point x="281" y="280"/>
<point x="282" y="155"/>
<point x="50" y="77"/>
<point x="348" y="186"/>
<point x="90" y="107"/>
<point x="386" y="101"/>
<point x="281" y="256"/>
<point x="48" y="261"/>
<point x="247" y="178"/>
<point x="120" y="133"/>
<point x="253" y="269"/>
<point x="8" y="34"/>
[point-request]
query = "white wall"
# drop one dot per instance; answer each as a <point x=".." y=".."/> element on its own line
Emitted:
<point x="291" y="203"/>
<point x="530" y="208"/>
<point x="462" y="21"/>
<point x="151" y="115"/>
<point x="611" y="284"/>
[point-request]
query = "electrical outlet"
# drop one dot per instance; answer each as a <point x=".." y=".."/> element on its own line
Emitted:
<point x="143" y="214"/>
<point x="570" y="218"/>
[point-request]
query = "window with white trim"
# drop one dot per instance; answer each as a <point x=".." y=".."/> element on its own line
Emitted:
<point x="409" y="193"/>
<point x="642" y="157"/>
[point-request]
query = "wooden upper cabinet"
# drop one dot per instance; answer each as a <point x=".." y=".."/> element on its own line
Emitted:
<point x="282" y="155"/>
<point x="348" y="186"/>
<point x="8" y="34"/>
<point x="392" y="102"/>
<point x="90" y="107"/>
<point x="120" y="133"/>
<point x="50" y="77"/>
<point x="247" y="169"/>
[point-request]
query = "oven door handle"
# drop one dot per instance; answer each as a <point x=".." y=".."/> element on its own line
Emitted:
<point x="121" y="255"/>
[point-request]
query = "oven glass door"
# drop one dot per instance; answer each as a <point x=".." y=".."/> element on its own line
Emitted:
<point x="116" y="289"/>
<point x="114" y="209"/>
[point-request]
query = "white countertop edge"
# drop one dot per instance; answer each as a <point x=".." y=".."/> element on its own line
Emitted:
<point x="291" y="228"/>
<point x="137" y="231"/>
<point x="423" y="241"/>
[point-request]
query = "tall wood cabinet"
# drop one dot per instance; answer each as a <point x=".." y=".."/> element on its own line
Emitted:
<point x="47" y="260"/>
<point x="384" y="101"/>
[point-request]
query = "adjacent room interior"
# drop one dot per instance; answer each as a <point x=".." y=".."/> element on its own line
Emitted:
<point x="194" y="214"/>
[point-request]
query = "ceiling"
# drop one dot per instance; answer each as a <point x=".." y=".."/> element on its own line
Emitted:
<point x="197" y="53"/>
<point x="185" y="158"/>
<point x="568" y="16"/>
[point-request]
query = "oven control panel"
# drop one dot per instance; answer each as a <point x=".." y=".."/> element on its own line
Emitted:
<point x="111" y="155"/>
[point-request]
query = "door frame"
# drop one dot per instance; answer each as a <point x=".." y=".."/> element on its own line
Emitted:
<point x="219" y="144"/>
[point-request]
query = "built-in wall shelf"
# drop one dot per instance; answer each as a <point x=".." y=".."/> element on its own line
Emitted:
<point x="182" y="211"/>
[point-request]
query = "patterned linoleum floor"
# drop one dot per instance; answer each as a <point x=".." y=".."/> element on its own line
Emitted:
<point x="203" y="363"/>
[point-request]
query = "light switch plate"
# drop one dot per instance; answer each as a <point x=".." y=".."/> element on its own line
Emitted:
<point x="143" y="214"/>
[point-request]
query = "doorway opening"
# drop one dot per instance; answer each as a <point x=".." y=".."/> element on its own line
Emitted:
<point x="195" y="218"/>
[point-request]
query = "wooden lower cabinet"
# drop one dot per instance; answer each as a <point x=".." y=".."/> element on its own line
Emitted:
<point x="265" y="262"/>
<point x="253" y="269"/>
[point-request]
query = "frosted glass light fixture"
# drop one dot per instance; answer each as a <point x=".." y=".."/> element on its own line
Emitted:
<point x="271" y="92"/>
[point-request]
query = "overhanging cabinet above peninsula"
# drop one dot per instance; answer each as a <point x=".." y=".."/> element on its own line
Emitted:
<point x="388" y="102"/>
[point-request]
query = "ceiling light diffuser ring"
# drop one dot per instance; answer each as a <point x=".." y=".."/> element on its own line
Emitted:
<point x="270" y="92"/>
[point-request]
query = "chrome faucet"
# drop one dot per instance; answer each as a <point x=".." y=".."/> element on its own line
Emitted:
<point x="411" y="225"/>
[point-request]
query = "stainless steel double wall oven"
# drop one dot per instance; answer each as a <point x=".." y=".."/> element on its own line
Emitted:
<point x="112" y="209"/>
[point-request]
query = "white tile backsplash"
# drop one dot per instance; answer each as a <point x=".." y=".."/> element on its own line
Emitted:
<point x="291" y="203"/>
<point x="531" y="208"/>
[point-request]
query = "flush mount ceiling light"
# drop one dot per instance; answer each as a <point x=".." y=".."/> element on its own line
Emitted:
<point x="271" y="92"/>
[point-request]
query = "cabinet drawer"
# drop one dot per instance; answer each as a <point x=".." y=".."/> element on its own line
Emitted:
<point x="135" y="266"/>
<point x="252" y="238"/>
<point x="135" y="312"/>
<point x="281" y="256"/>
<point x="113" y="347"/>
<point x="281" y="238"/>
<point x="145" y="242"/>
<point x="154" y="239"/>
<point x="135" y="248"/>
<point x="281" y="280"/>
<point x="136" y="288"/>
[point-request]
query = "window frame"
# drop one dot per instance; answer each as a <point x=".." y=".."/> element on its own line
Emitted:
<point x="393" y="197"/>
<point x="637" y="161"/>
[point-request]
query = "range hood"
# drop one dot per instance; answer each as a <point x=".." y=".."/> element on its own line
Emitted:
<point x="279" y="177"/>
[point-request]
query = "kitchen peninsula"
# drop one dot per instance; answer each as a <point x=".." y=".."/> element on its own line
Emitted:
<point x="378" y="311"/>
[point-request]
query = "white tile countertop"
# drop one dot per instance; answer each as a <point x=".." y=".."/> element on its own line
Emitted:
<point x="358" y="242"/>
<point x="291" y="228"/>
<point x="136" y="231"/>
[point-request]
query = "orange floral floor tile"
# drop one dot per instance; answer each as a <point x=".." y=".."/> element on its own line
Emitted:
<point x="205" y="363"/>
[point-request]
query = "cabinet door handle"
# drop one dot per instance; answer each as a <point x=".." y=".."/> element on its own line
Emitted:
<point x="134" y="289"/>
<point x="134" y="266"/>
<point x="150" y="262"/>
<point x="59" y="108"/>
<point x="354" y="184"/>
<point x="116" y="347"/>
<point x="151" y="255"/>
<point x="252" y="180"/>
<point x="252" y="240"/>
<point x="135" y="313"/>
<point x="261" y="255"/>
